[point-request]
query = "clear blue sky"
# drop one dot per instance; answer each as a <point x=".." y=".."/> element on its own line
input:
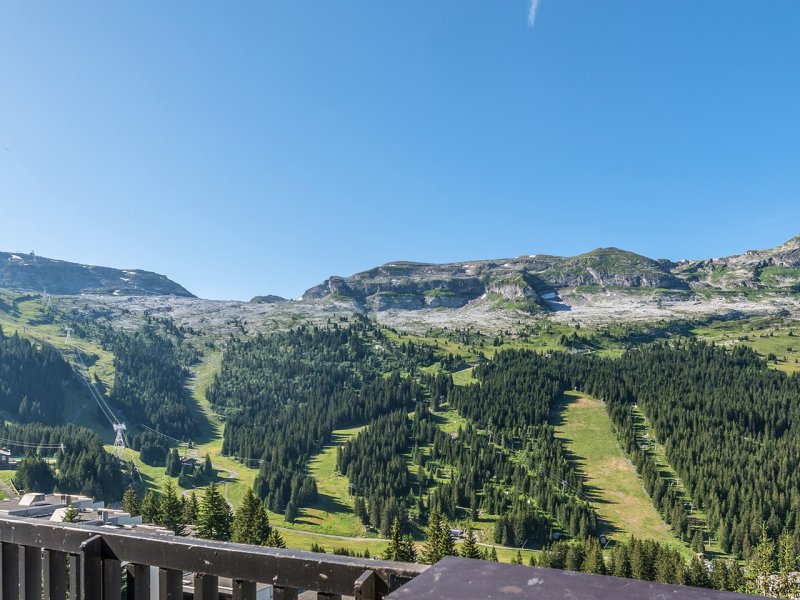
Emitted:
<point x="245" y="148"/>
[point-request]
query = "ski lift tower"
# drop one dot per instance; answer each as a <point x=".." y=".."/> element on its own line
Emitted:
<point x="119" y="440"/>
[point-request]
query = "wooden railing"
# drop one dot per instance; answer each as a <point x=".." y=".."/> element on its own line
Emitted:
<point x="55" y="561"/>
<point x="40" y="559"/>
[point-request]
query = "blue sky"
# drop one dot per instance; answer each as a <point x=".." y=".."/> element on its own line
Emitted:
<point x="258" y="147"/>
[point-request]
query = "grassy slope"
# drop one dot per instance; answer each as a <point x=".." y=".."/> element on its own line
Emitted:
<point x="25" y="319"/>
<point x="612" y="482"/>
<point x="765" y="336"/>
<point x="333" y="511"/>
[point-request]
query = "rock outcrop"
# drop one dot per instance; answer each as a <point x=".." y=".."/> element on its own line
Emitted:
<point x="530" y="282"/>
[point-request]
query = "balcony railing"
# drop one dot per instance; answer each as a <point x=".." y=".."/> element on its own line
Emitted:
<point x="55" y="561"/>
<point x="48" y="560"/>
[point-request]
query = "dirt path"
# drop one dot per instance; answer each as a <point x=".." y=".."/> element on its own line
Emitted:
<point x="8" y="490"/>
<point x="330" y="535"/>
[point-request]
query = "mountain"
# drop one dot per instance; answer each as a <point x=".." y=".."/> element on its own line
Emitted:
<point x="36" y="273"/>
<point x="776" y="268"/>
<point x="525" y="280"/>
<point x="533" y="280"/>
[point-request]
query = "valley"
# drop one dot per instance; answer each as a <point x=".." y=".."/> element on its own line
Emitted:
<point x="524" y="471"/>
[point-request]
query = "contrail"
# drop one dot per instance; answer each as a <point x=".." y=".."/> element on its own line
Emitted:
<point x="532" y="13"/>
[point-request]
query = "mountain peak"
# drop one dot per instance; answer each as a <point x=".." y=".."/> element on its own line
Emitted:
<point x="27" y="271"/>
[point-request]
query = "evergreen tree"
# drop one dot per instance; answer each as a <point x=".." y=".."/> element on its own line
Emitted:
<point x="208" y="468"/>
<point x="698" y="543"/>
<point x="736" y="580"/>
<point x="400" y="548"/>
<point x="250" y="523"/>
<point x="214" y="519"/>
<point x="173" y="468"/>
<point x="762" y="563"/>
<point x="170" y="510"/>
<point x="150" y="509"/>
<point x="191" y="509"/>
<point x="276" y="540"/>
<point x="291" y="512"/>
<point x="469" y="549"/>
<point x="34" y="475"/>
<point x="696" y="574"/>
<point x="719" y="574"/>
<point x="787" y="563"/>
<point x="575" y="557"/>
<point x="71" y="515"/>
<point x="594" y="561"/>
<point x="130" y="501"/>
<point x="438" y="542"/>
<point x="493" y="555"/>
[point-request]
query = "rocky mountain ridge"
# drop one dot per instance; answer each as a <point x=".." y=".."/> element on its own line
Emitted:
<point x="26" y="271"/>
<point x="535" y="282"/>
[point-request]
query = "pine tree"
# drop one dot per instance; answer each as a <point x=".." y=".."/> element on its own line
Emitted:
<point x="787" y="563"/>
<point x="698" y="543"/>
<point x="575" y="557"/>
<point x="400" y="548"/>
<point x="71" y="515"/>
<point x="191" y="509"/>
<point x="719" y="574"/>
<point x="736" y="580"/>
<point x="469" y="549"/>
<point x="517" y="560"/>
<point x="150" y="509"/>
<point x="696" y="574"/>
<point x="251" y="523"/>
<point x="130" y="501"/>
<point x="594" y="561"/>
<point x="762" y="563"/>
<point x="493" y="555"/>
<point x="291" y="512"/>
<point x="276" y="540"/>
<point x="208" y="468"/>
<point x="214" y="519"/>
<point x="170" y="510"/>
<point x="173" y="467"/>
<point x="438" y="542"/>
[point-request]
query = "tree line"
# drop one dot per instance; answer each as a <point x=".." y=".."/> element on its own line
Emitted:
<point x="32" y="380"/>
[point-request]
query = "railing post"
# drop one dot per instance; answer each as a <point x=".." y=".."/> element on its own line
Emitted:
<point x="91" y="569"/>
<point x="370" y="587"/>
<point x="170" y="584"/>
<point x="137" y="580"/>
<point x="206" y="587"/>
<point x="31" y="564"/>
<point x="283" y="593"/>
<point x="74" y="562"/>
<point x="244" y="590"/>
<point x="9" y="570"/>
<point x="55" y="575"/>
<point x="112" y="579"/>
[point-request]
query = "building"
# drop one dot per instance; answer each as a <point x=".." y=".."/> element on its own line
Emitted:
<point x="41" y="506"/>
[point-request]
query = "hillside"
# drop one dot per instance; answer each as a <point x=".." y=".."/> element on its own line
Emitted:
<point x="46" y="275"/>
